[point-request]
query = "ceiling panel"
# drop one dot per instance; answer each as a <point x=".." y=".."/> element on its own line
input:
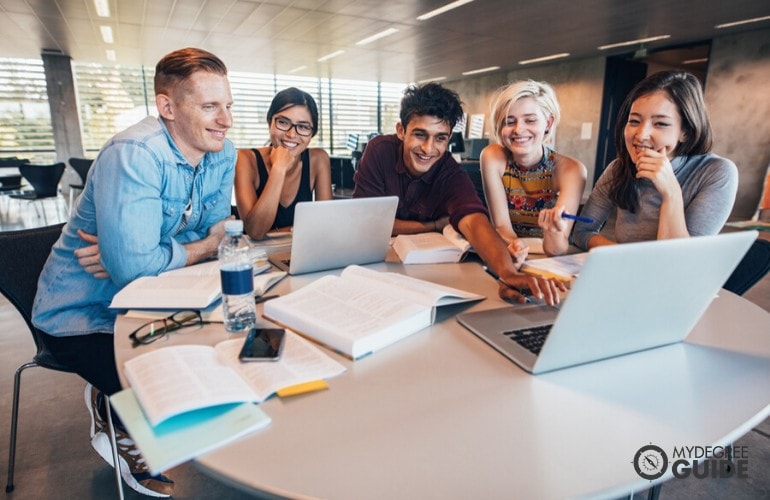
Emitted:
<point x="281" y="35"/>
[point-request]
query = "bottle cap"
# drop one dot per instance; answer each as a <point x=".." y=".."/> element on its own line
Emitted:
<point x="234" y="226"/>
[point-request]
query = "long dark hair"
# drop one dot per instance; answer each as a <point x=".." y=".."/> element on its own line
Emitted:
<point x="686" y="93"/>
<point x="288" y="98"/>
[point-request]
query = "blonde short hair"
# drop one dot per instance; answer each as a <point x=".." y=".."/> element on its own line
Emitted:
<point x="541" y="92"/>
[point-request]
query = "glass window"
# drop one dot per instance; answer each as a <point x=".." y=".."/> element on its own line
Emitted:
<point x="25" y="117"/>
<point x="112" y="98"/>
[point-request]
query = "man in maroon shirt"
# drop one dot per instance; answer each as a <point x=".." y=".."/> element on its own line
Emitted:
<point x="433" y="191"/>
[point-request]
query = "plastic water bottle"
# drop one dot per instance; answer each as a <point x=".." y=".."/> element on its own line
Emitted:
<point x="236" y="270"/>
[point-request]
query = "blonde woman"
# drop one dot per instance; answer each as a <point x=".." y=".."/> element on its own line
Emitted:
<point x="528" y="185"/>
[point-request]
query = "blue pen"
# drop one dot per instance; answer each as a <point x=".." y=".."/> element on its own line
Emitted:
<point x="577" y="218"/>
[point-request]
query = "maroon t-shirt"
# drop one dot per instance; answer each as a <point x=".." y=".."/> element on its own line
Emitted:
<point x="443" y="190"/>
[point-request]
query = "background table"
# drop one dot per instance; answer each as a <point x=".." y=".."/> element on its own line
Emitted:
<point x="442" y="415"/>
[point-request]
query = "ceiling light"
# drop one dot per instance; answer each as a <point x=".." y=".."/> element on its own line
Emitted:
<point x="745" y="21"/>
<point x="481" y="70"/>
<point x="106" y="34"/>
<point x="111" y="54"/>
<point x="102" y="8"/>
<point x="298" y="68"/>
<point x="634" y="42"/>
<point x="545" y="58"/>
<point x="443" y="9"/>
<point x="381" y="34"/>
<point x="329" y="56"/>
<point x="428" y="80"/>
<point x="696" y="61"/>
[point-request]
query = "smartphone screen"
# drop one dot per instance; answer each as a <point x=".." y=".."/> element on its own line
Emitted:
<point x="263" y="344"/>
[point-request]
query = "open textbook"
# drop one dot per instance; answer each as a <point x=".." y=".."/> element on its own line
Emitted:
<point x="173" y="380"/>
<point x="192" y="287"/>
<point x="564" y="267"/>
<point x="362" y="310"/>
<point x="431" y="248"/>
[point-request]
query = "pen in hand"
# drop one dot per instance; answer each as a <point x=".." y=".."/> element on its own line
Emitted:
<point x="577" y="218"/>
<point x="526" y="293"/>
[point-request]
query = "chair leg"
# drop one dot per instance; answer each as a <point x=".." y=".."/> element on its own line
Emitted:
<point x="42" y="208"/>
<point x="654" y="492"/>
<point x="114" y="446"/>
<point x="14" y="423"/>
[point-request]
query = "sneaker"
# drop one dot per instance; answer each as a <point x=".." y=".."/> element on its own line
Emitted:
<point x="93" y="400"/>
<point x="133" y="468"/>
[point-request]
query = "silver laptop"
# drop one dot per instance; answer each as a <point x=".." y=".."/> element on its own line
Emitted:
<point x="338" y="233"/>
<point x="627" y="298"/>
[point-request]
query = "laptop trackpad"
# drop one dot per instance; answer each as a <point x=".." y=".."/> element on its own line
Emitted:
<point x="531" y="315"/>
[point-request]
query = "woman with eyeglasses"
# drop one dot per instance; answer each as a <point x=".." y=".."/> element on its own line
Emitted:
<point x="270" y="181"/>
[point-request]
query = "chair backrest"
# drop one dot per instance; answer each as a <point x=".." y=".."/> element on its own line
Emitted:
<point x="43" y="178"/>
<point x="81" y="166"/>
<point x="12" y="162"/>
<point x="752" y="268"/>
<point x="23" y="255"/>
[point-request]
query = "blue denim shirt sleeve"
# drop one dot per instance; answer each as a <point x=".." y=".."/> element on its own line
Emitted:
<point x="127" y="205"/>
<point x="137" y="183"/>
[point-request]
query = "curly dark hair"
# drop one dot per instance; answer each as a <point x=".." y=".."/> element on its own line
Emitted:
<point x="431" y="99"/>
<point x="686" y="93"/>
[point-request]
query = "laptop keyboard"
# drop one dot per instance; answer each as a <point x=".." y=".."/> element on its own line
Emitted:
<point x="531" y="339"/>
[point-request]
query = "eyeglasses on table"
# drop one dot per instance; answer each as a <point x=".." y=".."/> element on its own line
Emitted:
<point x="159" y="328"/>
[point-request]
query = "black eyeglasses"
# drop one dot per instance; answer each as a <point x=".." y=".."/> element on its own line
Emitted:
<point x="285" y="125"/>
<point x="157" y="329"/>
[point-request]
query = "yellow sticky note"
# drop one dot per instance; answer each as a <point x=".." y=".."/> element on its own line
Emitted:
<point x="293" y="390"/>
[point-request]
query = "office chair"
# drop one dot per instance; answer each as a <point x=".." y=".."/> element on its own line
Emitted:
<point x="12" y="182"/>
<point x="44" y="180"/>
<point x="23" y="255"/>
<point x="81" y="166"/>
<point x="752" y="268"/>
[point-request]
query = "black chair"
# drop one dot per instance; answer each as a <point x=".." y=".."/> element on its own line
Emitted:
<point x="81" y="166"/>
<point x="44" y="180"/>
<point x="10" y="184"/>
<point x="752" y="268"/>
<point x="23" y="254"/>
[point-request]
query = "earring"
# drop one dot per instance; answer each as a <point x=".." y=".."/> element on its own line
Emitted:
<point x="546" y="131"/>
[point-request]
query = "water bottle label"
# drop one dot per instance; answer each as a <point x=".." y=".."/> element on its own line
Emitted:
<point x="237" y="280"/>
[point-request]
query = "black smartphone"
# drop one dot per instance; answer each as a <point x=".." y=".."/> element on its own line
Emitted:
<point x="263" y="344"/>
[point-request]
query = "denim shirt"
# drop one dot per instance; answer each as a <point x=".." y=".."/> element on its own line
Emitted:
<point x="134" y="201"/>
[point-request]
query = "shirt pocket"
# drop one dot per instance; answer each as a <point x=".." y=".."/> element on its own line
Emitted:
<point x="173" y="209"/>
<point x="211" y="202"/>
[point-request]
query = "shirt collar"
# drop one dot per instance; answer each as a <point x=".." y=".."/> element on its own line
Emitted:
<point x="180" y="159"/>
<point x="678" y="162"/>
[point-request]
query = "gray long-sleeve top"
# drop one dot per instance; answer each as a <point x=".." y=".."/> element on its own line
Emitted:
<point x="709" y="184"/>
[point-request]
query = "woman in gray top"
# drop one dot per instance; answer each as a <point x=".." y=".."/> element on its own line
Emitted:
<point x="664" y="182"/>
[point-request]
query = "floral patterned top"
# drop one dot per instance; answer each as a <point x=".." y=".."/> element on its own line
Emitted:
<point x="528" y="191"/>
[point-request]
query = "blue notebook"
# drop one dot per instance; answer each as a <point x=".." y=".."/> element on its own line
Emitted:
<point x="185" y="436"/>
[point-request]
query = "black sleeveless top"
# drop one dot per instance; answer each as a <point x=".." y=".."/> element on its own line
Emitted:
<point x="284" y="216"/>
